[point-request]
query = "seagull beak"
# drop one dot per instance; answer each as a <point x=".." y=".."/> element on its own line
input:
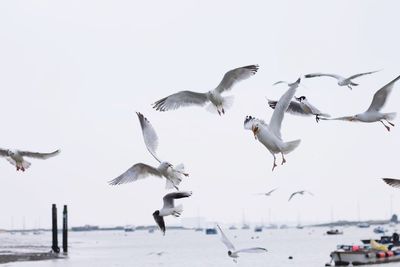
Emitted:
<point x="255" y="130"/>
<point x="298" y="99"/>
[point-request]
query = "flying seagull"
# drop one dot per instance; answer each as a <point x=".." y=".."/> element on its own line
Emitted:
<point x="301" y="107"/>
<point x="270" y="134"/>
<point x="16" y="157"/>
<point x="373" y="114"/>
<point x="268" y="193"/>
<point x="232" y="252"/>
<point x="138" y="171"/>
<point x="299" y="193"/>
<point x="392" y="182"/>
<point x="169" y="208"/>
<point x="213" y="97"/>
<point x="342" y="81"/>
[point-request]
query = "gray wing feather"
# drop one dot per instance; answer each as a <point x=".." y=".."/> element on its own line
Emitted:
<point x="149" y="135"/>
<point x="134" y="173"/>
<point x="181" y="99"/>
<point x="236" y="75"/>
<point x="3" y="152"/>
<point x="294" y="108"/>
<point x="252" y="250"/>
<point x="38" y="155"/>
<point x="318" y="74"/>
<point x="160" y="222"/>
<point x="381" y="95"/>
<point x="169" y="198"/>
<point x="361" y="74"/>
<point x="225" y="240"/>
<point x="392" y="182"/>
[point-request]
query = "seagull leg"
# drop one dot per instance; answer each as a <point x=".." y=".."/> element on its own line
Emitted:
<point x="283" y="159"/>
<point x="222" y="109"/>
<point x="390" y="123"/>
<point x="349" y="87"/>
<point x="22" y="168"/>
<point x="17" y="168"/>
<point x="219" y="112"/>
<point x="274" y="165"/>
<point x="387" y="127"/>
<point x="317" y="118"/>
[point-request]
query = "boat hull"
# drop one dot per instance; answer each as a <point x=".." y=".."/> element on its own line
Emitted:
<point x="356" y="258"/>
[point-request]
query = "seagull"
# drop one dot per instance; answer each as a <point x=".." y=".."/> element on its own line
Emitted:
<point x="342" y="81"/>
<point x="392" y="182"/>
<point x="301" y="107"/>
<point x="213" y="97"/>
<point x="268" y="193"/>
<point x="169" y="208"/>
<point x="16" y="157"/>
<point x="300" y="193"/>
<point x="373" y="114"/>
<point x="270" y="134"/>
<point x="138" y="171"/>
<point x="232" y="252"/>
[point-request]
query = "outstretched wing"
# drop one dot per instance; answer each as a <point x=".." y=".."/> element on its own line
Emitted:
<point x="346" y="118"/>
<point x="292" y="195"/>
<point x="381" y="95"/>
<point x="225" y="240"/>
<point x="236" y="75"/>
<point x="149" y="135"/>
<point x="252" y="250"/>
<point x="134" y="173"/>
<point x="181" y="99"/>
<point x="38" y="155"/>
<point x="169" y="198"/>
<point x="319" y="74"/>
<point x="392" y="182"/>
<point x="293" y="108"/>
<point x="160" y="221"/>
<point x="3" y="152"/>
<point x="280" y="108"/>
<point x="361" y="74"/>
<point x="270" y="192"/>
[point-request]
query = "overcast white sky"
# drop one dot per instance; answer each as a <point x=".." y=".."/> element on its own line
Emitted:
<point x="73" y="73"/>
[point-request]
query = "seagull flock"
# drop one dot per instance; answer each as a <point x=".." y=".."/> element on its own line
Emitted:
<point x="268" y="134"/>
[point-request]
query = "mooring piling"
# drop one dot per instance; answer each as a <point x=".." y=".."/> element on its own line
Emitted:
<point x="65" y="229"/>
<point x="55" y="247"/>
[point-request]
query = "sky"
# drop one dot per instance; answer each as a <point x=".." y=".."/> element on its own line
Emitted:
<point x="73" y="74"/>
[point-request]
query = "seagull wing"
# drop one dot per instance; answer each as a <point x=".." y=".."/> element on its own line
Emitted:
<point x="381" y="95"/>
<point x="38" y="155"/>
<point x="236" y="75"/>
<point x="181" y="99"/>
<point x="252" y="250"/>
<point x="280" y="108"/>
<point x="309" y="193"/>
<point x="169" y="198"/>
<point x="318" y="74"/>
<point x="361" y="74"/>
<point x="292" y="195"/>
<point x="149" y="135"/>
<point x="279" y="82"/>
<point x="346" y="118"/>
<point x="160" y="221"/>
<point x="225" y="240"/>
<point x="294" y="107"/>
<point x="270" y="192"/>
<point x="3" y="152"/>
<point x="134" y="173"/>
<point x="392" y="182"/>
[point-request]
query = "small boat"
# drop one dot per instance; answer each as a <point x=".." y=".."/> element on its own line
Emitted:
<point x="363" y="225"/>
<point x="334" y="232"/>
<point x="380" y="230"/>
<point x="299" y="226"/>
<point x="362" y="255"/>
<point x="258" y="229"/>
<point x="211" y="231"/>
<point x="233" y="227"/>
<point x="245" y="227"/>
<point x="198" y="229"/>
<point x="129" y="228"/>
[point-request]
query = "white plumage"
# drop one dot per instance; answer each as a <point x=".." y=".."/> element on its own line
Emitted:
<point x="16" y="157"/>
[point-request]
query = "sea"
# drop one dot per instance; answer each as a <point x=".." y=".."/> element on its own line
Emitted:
<point x="307" y="247"/>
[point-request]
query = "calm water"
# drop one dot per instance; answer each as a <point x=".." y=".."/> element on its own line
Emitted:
<point x="309" y="247"/>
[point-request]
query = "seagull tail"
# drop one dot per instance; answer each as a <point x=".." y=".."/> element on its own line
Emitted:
<point x="227" y="102"/>
<point x="390" y="116"/>
<point x="26" y="164"/>
<point x="290" y="146"/>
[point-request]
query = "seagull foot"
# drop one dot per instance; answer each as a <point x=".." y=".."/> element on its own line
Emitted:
<point x="317" y="118"/>
<point x="274" y="166"/>
<point x="219" y="112"/>
<point x="390" y="123"/>
<point x="223" y="111"/>
<point x="22" y="169"/>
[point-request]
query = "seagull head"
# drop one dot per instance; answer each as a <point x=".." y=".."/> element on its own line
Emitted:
<point x="10" y="153"/>
<point x="229" y="253"/>
<point x="301" y="98"/>
<point x="248" y="122"/>
<point x="165" y="165"/>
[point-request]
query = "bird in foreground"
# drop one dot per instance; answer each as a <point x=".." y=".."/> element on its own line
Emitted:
<point x="268" y="193"/>
<point x="301" y="107"/>
<point x="342" y="81"/>
<point x="16" y="157"/>
<point x="232" y="252"/>
<point x="213" y="97"/>
<point x="302" y="192"/>
<point x="373" y="114"/>
<point x="138" y="171"/>
<point x="392" y="182"/>
<point x="270" y="134"/>
<point x="169" y="208"/>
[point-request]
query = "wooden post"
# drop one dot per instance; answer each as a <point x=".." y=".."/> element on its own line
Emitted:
<point x="55" y="247"/>
<point x="65" y="229"/>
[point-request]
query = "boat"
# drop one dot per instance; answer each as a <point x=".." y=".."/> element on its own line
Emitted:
<point x="380" y="230"/>
<point x="129" y="228"/>
<point x="258" y="229"/>
<point x="355" y="255"/>
<point x="211" y="231"/>
<point x="334" y="232"/>
<point x="299" y="226"/>
<point x="233" y="227"/>
<point x="245" y="227"/>
<point x="363" y="225"/>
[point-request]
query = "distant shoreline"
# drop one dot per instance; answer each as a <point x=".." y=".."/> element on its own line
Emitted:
<point x="38" y="256"/>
